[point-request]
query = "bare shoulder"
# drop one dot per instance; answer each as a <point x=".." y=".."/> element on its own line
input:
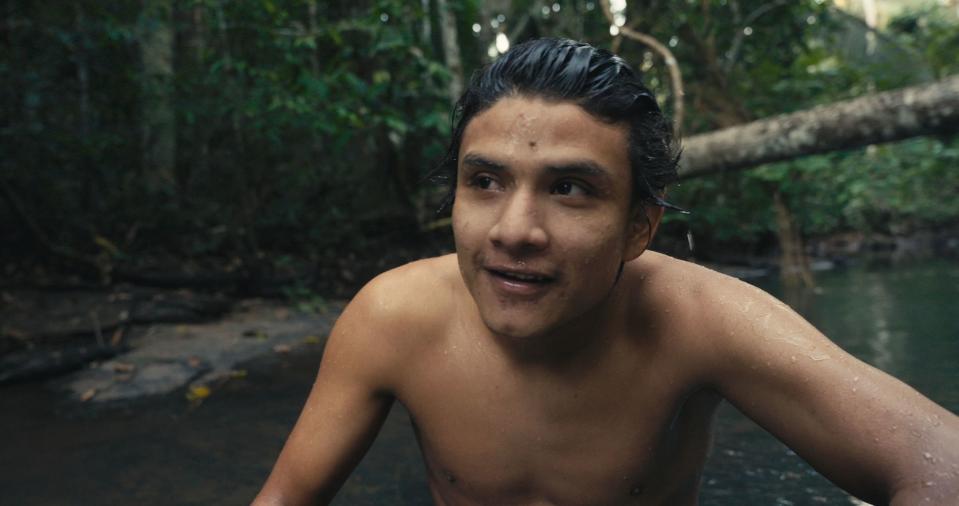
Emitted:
<point x="690" y="278"/>
<point x="392" y="317"/>
<point x="726" y="329"/>
<point x="414" y="293"/>
<point x="695" y="293"/>
<point x="708" y="313"/>
<point x="406" y="301"/>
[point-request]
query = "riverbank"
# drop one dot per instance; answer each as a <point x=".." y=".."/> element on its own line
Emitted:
<point x="125" y="357"/>
<point x="113" y="344"/>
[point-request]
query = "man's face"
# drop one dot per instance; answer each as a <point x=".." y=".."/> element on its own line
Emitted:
<point x="542" y="216"/>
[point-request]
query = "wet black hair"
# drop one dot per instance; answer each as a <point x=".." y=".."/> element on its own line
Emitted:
<point x="595" y="79"/>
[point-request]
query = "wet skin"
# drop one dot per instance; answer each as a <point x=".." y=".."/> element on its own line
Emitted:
<point x="535" y="373"/>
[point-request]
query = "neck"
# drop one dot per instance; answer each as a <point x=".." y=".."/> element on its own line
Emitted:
<point x="572" y="344"/>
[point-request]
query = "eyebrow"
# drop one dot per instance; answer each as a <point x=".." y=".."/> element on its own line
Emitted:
<point x="574" y="168"/>
<point x="580" y="168"/>
<point x="475" y="160"/>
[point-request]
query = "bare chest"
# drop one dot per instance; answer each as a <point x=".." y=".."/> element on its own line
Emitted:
<point x="491" y="436"/>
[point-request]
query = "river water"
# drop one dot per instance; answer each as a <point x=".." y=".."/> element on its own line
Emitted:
<point x="165" y="451"/>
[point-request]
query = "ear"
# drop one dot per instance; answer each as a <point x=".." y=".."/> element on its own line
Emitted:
<point x="643" y="224"/>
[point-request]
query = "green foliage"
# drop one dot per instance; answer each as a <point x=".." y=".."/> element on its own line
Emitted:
<point x="890" y="188"/>
<point x="296" y="128"/>
<point x="305" y="299"/>
<point x="304" y="128"/>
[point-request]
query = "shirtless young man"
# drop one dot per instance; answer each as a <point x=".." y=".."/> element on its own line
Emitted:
<point x="552" y="360"/>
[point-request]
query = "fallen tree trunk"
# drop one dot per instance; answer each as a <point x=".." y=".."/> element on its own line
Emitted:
<point x="872" y="119"/>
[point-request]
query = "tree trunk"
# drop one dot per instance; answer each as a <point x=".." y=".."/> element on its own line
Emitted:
<point x="425" y="32"/>
<point x="486" y="34"/>
<point x="159" y="122"/>
<point x="872" y="119"/>
<point x="91" y="198"/>
<point x="451" y="49"/>
<point x="199" y="162"/>
<point x="794" y="264"/>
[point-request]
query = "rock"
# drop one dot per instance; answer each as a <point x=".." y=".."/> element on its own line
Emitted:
<point x="202" y="355"/>
<point x="34" y="364"/>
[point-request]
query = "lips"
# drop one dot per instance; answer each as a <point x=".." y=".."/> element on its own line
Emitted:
<point x="519" y="281"/>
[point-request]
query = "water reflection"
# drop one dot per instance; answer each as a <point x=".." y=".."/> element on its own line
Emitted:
<point x="880" y="306"/>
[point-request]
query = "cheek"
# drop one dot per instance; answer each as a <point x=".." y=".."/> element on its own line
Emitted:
<point x="603" y="240"/>
<point x="467" y="230"/>
<point x="601" y="252"/>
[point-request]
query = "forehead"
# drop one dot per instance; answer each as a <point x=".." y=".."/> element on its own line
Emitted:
<point x="523" y="130"/>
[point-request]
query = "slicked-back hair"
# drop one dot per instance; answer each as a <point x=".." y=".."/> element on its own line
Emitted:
<point x="596" y="80"/>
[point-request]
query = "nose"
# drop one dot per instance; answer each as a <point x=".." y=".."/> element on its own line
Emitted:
<point x="519" y="227"/>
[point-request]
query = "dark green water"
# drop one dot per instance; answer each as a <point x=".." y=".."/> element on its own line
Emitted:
<point x="162" y="451"/>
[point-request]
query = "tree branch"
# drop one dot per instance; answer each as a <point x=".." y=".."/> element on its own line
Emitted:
<point x="675" y="77"/>
<point x="872" y="119"/>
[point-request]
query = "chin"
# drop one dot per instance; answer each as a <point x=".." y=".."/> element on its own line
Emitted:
<point x="511" y="328"/>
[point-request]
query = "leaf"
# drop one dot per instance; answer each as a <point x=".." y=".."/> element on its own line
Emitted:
<point x="105" y="243"/>
<point x="198" y="393"/>
<point x="123" y="367"/>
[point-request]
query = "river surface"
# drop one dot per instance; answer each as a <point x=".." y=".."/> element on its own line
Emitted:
<point x="166" y="451"/>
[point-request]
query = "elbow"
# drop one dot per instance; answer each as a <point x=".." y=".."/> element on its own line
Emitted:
<point x="271" y="497"/>
<point x="931" y="495"/>
<point x="263" y="499"/>
<point x="933" y="488"/>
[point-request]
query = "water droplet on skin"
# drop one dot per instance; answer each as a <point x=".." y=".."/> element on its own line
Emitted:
<point x="927" y="455"/>
<point x="928" y="484"/>
<point x="854" y="389"/>
<point x="855" y="379"/>
<point x="875" y="440"/>
<point x="792" y="358"/>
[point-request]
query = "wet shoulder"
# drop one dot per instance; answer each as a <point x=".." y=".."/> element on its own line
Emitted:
<point x="691" y="282"/>
<point x="671" y="285"/>
<point x="696" y="308"/>
<point x="411" y="302"/>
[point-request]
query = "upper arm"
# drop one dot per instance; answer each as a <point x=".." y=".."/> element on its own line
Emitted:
<point x="865" y="430"/>
<point x="350" y="398"/>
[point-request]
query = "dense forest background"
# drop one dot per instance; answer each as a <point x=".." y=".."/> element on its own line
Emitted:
<point x="282" y="145"/>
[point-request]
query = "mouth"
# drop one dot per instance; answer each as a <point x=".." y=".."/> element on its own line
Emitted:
<point x="519" y="281"/>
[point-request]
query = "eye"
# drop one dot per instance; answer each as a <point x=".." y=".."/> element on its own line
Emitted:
<point x="484" y="182"/>
<point x="570" y="188"/>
